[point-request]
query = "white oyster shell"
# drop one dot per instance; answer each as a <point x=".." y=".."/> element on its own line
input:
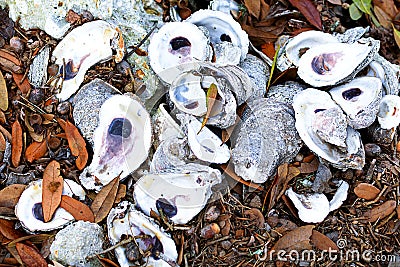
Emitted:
<point x="222" y="27"/>
<point x="225" y="6"/>
<point x="124" y="220"/>
<point x="83" y="47"/>
<point x="121" y="141"/>
<point x="307" y="104"/>
<point x="29" y="207"/>
<point x="175" y="44"/>
<point x="181" y="193"/>
<point x="170" y="153"/>
<point x="258" y="73"/>
<point x="359" y="99"/>
<point x="295" y="47"/>
<point x="205" y="145"/>
<point x="165" y="127"/>
<point x="389" y="112"/>
<point x="387" y="72"/>
<point x="264" y="139"/>
<point x="71" y="244"/>
<point x="330" y="64"/>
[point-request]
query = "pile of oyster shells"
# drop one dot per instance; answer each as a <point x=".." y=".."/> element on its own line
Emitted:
<point x="158" y="137"/>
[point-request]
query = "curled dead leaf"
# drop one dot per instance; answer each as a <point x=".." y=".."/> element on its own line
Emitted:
<point x="309" y="11"/>
<point x="30" y="256"/>
<point x="2" y="142"/>
<point x="3" y="93"/>
<point x="7" y="229"/>
<point x="298" y="239"/>
<point x="121" y="193"/>
<point x="322" y="242"/>
<point x="35" y="151"/>
<point x="104" y="200"/>
<point x="381" y="211"/>
<point x="9" y="197"/>
<point x="366" y="191"/>
<point x="80" y="211"/>
<point x="16" y="143"/>
<point x="9" y="62"/>
<point x="24" y="86"/>
<point x="52" y="187"/>
<point x="77" y="145"/>
<point x="256" y="217"/>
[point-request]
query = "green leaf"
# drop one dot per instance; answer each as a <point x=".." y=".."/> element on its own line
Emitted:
<point x="212" y="93"/>
<point x="363" y="5"/>
<point x="396" y="34"/>
<point x="355" y="13"/>
<point x="273" y="67"/>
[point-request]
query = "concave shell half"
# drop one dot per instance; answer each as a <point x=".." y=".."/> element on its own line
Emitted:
<point x="83" y="47"/>
<point x="121" y="141"/>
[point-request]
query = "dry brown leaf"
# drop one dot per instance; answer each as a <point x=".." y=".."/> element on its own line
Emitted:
<point x="3" y="93"/>
<point x="398" y="212"/>
<point x="104" y="200"/>
<point x="309" y="11"/>
<point x="7" y="229"/>
<point x="309" y="167"/>
<point x="2" y="142"/>
<point x="387" y="6"/>
<point x="36" y="239"/>
<point x="80" y="211"/>
<point x="396" y="34"/>
<point x="254" y="7"/>
<point x="52" y="187"/>
<point x="383" y="18"/>
<point x="322" y="242"/>
<point x="9" y="62"/>
<point x="256" y="217"/>
<point x="16" y="143"/>
<point x="380" y="211"/>
<point x="30" y="256"/>
<point x="298" y="239"/>
<point x="229" y="171"/>
<point x="35" y="151"/>
<point x="268" y="49"/>
<point x="121" y="193"/>
<point x="106" y="262"/>
<point x="25" y="86"/>
<point x="366" y="191"/>
<point x="9" y="197"/>
<point x="254" y="32"/>
<point x="77" y="145"/>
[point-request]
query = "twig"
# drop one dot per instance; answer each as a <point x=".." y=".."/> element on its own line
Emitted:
<point x="134" y="48"/>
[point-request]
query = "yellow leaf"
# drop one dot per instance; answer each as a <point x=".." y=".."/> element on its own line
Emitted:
<point x="396" y="34"/>
<point x="3" y="93"/>
<point x="212" y="93"/>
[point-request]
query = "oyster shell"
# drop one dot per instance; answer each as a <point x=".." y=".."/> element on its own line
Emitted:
<point x="258" y="73"/>
<point x="285" y="92"/>
<point x="225" y="6"/>
<point x="165" y="126"/>
<point x="327" y="133"/>
<point x="222" y="28"/>
<point x="121" y="141"/>
<point x="181" y="193"/>
<point x="170" y="153"/>
<point x="83" y="47"/>
<point x="175" y="44"/>
<point x="295" y="47"/>
<point x="359" y="99"/>
<point x="389" y="112"/>
<point x="331" y="64"/>
<point x="29" y="207"/>
<point x="125" y="221"/>
<point x="264" y="139"/>
<point x="387" y="72"/>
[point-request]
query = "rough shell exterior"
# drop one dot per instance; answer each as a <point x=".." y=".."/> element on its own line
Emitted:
<point x="285" y="92"/>
<point x="258" y="73"/>
<point x="266" y="137"/>
<point x="77" y="241"/>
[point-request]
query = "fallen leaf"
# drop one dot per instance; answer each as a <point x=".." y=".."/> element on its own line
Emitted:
<point x="280" y="225"/>
<point x="387" y="6"/>
<point x="272" y="68"/>
<point x="366" y="191"/>
<point x="25" y="87"/>
<point x="256" y="217"/>
<point x="9" y="62"/>
<point x="121" y="193"/>
<point x="9" y="197"/>
<point x="306" y="168"/>
<point x="16" y="143"/>
<point x="2" y="142"/>
<point x="355" y="13"/>
<point x="106" y="262"/>
<point x="104" y="200"/>
<point x="35" y="151"/>
<point x="80" y="211"/>
<point x="254" y="7"/>
<point x="5" y="133"/>
<point x="254" y="32"/>
<point x="322" y="242"/>
<point x="380" y="211"/>
<point x="309" y="11"/>
<point x="298" y="239"/>
<point x="335" y="2"/>
<point x="398" y="212"/>
<point x="268" y="49"/>
<point x="36" y="239"/>
<point x="52" y="187"/>
<point x="231" y="173"/>
<point x="3" y="93"/>
<point x="7" y="229"/>
<point x="211" y="96"/>
<point x="382" y="17"/>
<point x="396" y="34"/>
<point x="286" y="75"/>
<point x="77" y="145"/>
<point x="30" y="256"/>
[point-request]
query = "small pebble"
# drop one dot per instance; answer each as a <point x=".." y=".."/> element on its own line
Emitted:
<point x="372" y="150"/>
<point x="17" y="45"/>
<point x="212" y="214"/>
<point x="210" y="230"/>
<point x="226" y="244"/>
<point x="36" y="96"/>
<point x="64" y="108"/>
